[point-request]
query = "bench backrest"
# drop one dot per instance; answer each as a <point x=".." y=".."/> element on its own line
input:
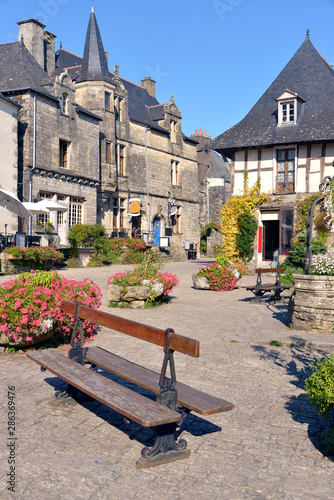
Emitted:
<point x="149" y="333"/>
<point x="271" y="270"/>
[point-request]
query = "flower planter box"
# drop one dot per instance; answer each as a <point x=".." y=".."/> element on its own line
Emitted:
<point x="200" y="282"/>
<point x="38" y="336"/>
<point x="311" y="307"/>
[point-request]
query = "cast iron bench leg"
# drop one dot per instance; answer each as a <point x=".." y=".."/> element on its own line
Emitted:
<point x="165" y="449"/>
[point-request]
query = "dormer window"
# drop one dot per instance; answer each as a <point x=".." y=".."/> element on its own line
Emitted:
<point x="173" y="130"/>
<point x="288" y="112"/>
<point x="288" y="105"/>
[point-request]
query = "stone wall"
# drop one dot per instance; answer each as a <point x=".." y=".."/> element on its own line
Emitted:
<point x="311" y="306"/>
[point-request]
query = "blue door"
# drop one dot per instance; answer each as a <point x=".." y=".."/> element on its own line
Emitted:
<point x="156" y="228"/>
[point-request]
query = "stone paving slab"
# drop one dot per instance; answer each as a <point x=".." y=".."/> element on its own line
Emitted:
<point x="266" y="448"/>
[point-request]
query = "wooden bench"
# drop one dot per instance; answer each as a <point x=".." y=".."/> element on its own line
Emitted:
<point x="259" y="289"/>
<point x="161" y="415"/>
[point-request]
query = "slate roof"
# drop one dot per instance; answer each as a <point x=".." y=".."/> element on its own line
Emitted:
<point x="65" y="59"/>
<point x="142" y="107"/>
<point x="218" y="168"/>
<point x="10" y="101"/>
<point x="308" y="75"/>
<point x="18" y="68"/>
<point x="94" y="63"/>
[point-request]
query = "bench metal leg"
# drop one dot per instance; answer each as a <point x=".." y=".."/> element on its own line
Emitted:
<point x="165" y="449"/>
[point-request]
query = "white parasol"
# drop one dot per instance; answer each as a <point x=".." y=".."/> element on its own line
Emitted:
<point x="11" y="202"/>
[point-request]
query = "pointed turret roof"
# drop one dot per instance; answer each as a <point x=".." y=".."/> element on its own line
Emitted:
<point x="94" y="63"/>
<point x="308" y="75"/>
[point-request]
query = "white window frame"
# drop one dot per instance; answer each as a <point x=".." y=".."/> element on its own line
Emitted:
<point x="75" y="211"/>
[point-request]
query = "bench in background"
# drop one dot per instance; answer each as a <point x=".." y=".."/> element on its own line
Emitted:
<point x="259" y="289"/>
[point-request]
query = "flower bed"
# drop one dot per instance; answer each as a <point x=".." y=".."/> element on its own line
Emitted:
<point x="219" y="278"/>
<point x="33" y="257"/>
<point x="146" y="286"/>
<point x="33" y="302"/>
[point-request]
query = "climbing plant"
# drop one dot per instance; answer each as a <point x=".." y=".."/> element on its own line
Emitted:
<point x="237" y="206"/>
<point x="302" y="209"/>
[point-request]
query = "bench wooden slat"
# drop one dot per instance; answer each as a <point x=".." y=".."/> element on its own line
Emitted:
<point x="132" y="405"/>
<point x="267" y="287"/>
<point x="271" y="270"/>
<point x="188" y="397"/>
<point x="138" y="330"/>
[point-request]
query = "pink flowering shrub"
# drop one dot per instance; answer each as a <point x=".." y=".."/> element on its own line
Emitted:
<point x="117" y="244"/>
<point x="125" y="279"/>
<point x="220" y="278"/>
<point x="148" y="273"/>
<point x="33" y="301"/>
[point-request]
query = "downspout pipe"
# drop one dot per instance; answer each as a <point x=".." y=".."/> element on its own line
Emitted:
<point x="33" y="158"/>
<point x="147" y="183"/>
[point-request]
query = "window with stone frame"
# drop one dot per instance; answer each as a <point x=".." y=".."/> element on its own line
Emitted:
<point x="108" y="152"/>
<point x="121" y="212"/>
<point x="64" y="147"/>
<point x="75" y="211"/>
<point x="115" y="216"/>
<point x="176" y="221"/>
<point x="64" y="104"/>
<point x="118" y="107"/>
<point x="120" y="159"/>
<point x="285" y="180"/>
<point x="175" y="173"/>
<point x="173" y="130"/>
<point x="107" y="101"/>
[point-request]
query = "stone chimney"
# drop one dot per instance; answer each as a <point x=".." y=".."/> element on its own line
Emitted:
<point x="149" y="85"/>
<point x="203" y="153"/>
<point x="49" y="52"/>
<point x="40" y="43"/>
<point x="32" y="33"/>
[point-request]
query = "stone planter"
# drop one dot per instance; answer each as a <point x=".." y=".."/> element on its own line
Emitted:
<point x="311" y="307"/>
<point x="38" y="336"/>
<point x="200" y="282"/>
<point x="136" y="296"/>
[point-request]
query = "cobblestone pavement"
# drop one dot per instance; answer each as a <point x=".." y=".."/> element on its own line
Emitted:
<point x="266" y="448"/>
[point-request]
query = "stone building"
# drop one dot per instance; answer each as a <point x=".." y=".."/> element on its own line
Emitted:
<point x="287" y="141"/>
<point x="8" y="157"/>
<point x="97" y="143"/>
<point x="213" y="176"/>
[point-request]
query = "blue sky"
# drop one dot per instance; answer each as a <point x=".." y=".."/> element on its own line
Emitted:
<point x="216" y="56"/>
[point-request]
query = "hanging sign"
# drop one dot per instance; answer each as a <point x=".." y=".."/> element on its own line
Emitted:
<point x="134" y="205"/>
